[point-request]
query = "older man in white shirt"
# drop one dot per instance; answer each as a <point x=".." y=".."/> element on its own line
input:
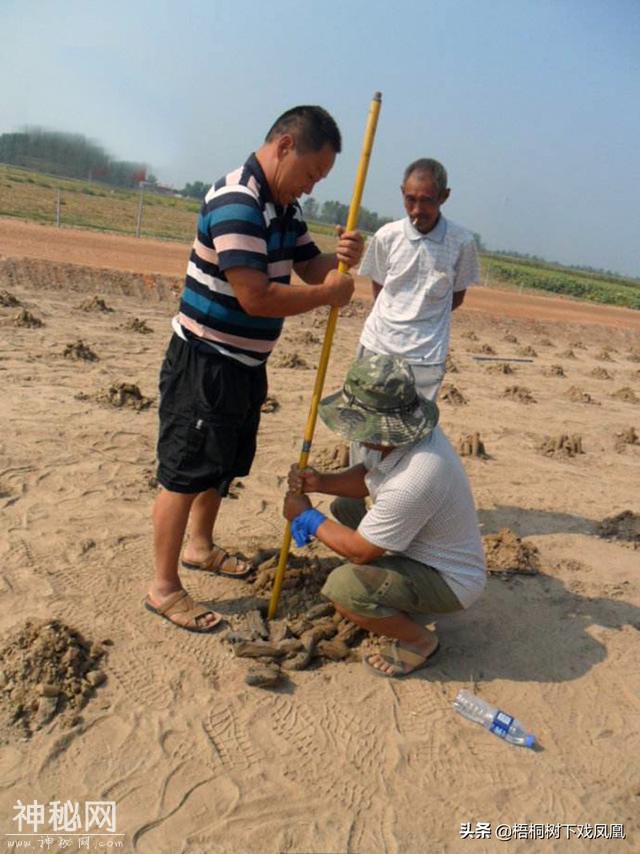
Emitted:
<point x="420" y="267"/>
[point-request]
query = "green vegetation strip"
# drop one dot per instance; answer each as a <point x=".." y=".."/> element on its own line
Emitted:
<point x="608" y="290"/>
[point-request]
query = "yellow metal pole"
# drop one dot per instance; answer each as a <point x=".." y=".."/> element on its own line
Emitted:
<point x="352" y="222"/>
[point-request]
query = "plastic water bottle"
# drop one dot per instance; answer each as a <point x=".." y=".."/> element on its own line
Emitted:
<point x="503" y="725"/>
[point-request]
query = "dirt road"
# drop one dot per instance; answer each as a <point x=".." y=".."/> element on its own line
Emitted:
<point x="21" y="239"/>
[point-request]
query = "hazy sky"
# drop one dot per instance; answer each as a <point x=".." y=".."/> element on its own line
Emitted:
<point x="532" y="105"/>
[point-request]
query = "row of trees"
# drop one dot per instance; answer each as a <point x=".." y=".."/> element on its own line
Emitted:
<point x="334" y="213"/>
<point x="69" y="155"/>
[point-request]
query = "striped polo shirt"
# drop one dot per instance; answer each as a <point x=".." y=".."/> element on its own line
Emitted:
<point x="239" y="225"/>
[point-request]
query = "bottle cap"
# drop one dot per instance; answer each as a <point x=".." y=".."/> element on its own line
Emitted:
<point x="529" y="741"/>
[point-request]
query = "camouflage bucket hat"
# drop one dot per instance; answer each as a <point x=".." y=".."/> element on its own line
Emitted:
<point x="379" y="404"/>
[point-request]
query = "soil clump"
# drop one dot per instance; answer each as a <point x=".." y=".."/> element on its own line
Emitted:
<point x="519" y="393"/>
<point x="576" y="395"/>
<point x="623" y="526"/>
<point x="290" y="360"/>
<point x="527" y="351"/>
<point x="626" y="437"/>
<point x="137" y="325"/>
<point x="95" y="303"/>
<point x="452" y="395"/>
<point x="316" y="635"/>
<point x="48" y="670"/>
<point x="28" y="320"/>
<point x="505" y="552"/>
<point x="78" y="350"/>
<point x="500" y="368"/>
<point x="472" y="445"/>
<point x="563" y="445"/>
<point x="331" y="459"/>
<point x="270" y="404"/>
<point x="626" y="394"/>
<point x="8" y="300"/>
<point x="601" y="374"/>
<point x="555" y="371"/>
<point x="124" y="394"/>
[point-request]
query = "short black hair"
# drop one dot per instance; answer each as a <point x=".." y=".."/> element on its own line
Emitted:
<point x="426" y="165"/>
<point x="311" y="127"/>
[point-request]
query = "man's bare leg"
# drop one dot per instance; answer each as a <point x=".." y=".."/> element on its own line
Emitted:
<point x="170" y="515"/>
<point x="204" y="512"/>
<point x="401" y="627"/>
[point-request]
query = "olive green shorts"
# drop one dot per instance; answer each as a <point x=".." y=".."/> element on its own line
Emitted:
<point x="389" y="584"/>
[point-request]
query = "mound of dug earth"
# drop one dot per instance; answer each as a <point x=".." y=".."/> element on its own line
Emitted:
<point x="507" y="553"/>
<point x="289" y="360"/>
<point x="527" y="351"/>
<point x="331" y="459"/>
<point x="8" y="300"/>
<point x="452" y="395"/>
<point x="500" y="368"/>
<point x="519" y="393"/>
<point x="304" y="577"/>
<point x="624" y="526"/>
<point x="626" y="394"/>
<point x="270" y="404"/>
<point x="601" y="374"/>
<point x="48" y="669"/>
<point x="626" y="437"/>
<point x="472" y="445"/>
<point x="555" y="371"/>
<point x="96" y="303"/>
<point x="485" y="349"/>
<point x="320" y="634"/>
<point x="577" y="395"/>
<point x="124" y="394"/>
<point x="28" y="320"/>
<point x="137" y="325"/>
<point x="564" y="445"/>
<point x="78" y="350"/>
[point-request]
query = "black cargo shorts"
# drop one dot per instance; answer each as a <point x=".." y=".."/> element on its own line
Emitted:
<point x="209" y="417"/>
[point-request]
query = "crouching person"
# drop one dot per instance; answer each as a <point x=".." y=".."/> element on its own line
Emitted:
<point x="417" y="551"/>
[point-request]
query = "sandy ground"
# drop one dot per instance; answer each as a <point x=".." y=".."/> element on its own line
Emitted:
<point x="336" y="760"/>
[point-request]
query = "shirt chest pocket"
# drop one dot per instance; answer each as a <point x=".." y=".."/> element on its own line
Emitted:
<point x="437" y="286"/>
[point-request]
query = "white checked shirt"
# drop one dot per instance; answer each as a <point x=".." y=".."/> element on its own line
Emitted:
<point x="418" y="273"/>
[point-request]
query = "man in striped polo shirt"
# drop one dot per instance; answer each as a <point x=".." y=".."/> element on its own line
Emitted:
<point x="250" y="236"/>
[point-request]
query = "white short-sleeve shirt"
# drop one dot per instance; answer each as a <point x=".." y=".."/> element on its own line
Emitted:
<point x="423" y="508"/>
<point x="419" y="273"/>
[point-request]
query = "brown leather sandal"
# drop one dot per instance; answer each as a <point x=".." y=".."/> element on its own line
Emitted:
<point x="183" y="612"/>
<point x="406" y="660"/>
<point x="220" y="562"/>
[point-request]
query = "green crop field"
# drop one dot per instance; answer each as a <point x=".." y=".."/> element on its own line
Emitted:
<point x="610" y="290"/>
<point x="85" y="204"/>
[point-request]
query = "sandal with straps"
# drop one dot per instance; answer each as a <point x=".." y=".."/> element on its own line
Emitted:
<point x="183" y="612"/>
<point x="220" y="562"/>
<point x="399" y="656"/>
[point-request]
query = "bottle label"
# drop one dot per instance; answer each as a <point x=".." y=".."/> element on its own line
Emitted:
<point x="501" y="724"/>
